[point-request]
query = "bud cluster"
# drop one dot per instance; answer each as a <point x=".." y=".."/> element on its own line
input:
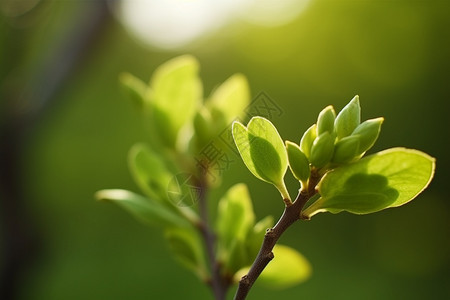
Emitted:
<point x="333" y="140"/>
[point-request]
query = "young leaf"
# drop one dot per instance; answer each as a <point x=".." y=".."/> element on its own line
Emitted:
<point x="235" y="215"/>
<point x="235" y="218"/>
<point x="135" y="89"/>
<point x="187" y="247"/>
<point x="368" y="133"/>
<point x="287" y="269"/>
<point x="389" y="178"/>
<point x="203" y="127"/>
<point x="149" y="171"/>
<point x="262" y="151"/>
<point x="322" y="150"/>
<point x="346" y="149"/>
<point x="348" y="118"/>
<point x="325" y="121"/>
<point x="308" y="139"/>
<point x="176" y="92"/>
<point x="230" y="99"/>
<point x="298" y="162"/>
<point x="146" y="210"/>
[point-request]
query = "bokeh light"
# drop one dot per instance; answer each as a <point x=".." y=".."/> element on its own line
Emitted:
<point x="172" y="24"/>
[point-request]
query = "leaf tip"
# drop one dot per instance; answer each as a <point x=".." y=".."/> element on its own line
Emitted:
<point x="106" y="195"/>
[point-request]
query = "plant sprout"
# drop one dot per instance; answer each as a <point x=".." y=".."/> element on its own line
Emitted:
<point x="179" y="167"/>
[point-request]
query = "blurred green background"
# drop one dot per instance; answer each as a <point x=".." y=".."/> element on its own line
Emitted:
<point x="394" y="54"/>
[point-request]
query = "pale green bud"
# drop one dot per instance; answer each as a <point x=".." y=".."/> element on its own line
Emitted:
<point x="348" y="118"/>
<point x="325" y="121"/>
<point x="346" y="149"/>
<point x="298" y="162"/>
<point x="307" y="140"/>
<point x="322" y="150"/>
<point x="368" y="133"/>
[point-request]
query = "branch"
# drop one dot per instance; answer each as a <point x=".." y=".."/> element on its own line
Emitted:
<point x="290" y="215"/>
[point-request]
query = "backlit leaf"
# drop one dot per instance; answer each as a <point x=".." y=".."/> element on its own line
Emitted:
<point x="235" y="215"/>
<point x="308" y="139"/>
<point x="346" y="149"/>
<point x="149" y="171"/>
<point x="176" y="92"/>
<point x="386" y="179"/>
<point x="322" y="150"/>
<point x="288" y="268"/>
<point x="230" y="99"/>
<point x="146" y="210"/>
<point x="325" y="121"/>
<point x="348" y="118"/>
<point x="262" y="151"/>
<point x="235" y="218"/>
<point x="368" y="133"/>
<point x="298" y="162"/>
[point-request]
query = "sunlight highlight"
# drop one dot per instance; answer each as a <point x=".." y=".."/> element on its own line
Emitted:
<point x="172" y="24"/>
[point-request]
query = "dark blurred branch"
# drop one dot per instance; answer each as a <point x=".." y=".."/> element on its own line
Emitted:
<point x="20" y="242"/>
<point x="218" y="283"/>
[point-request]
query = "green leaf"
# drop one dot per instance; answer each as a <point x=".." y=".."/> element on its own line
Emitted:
<point x="204" y="127"/>
<point x="230" y="99"/>
<point x="235" y="218"/>
<point x="368" y="133"/>
<point x="308" y="139"/>
<point x="346" y="149"/>
<point x="298" y="162"/>
<point x="235" y="215"/>
<point x="153" y="177"/>
<point x="135" y="89"/>
<point x="348" y="118"/>
<point x="176" y="93"/>
<point x="389" y="178"/>
<point x="325" y="121"/>
<point x="187" y="247"/>
<point x="146" y="210"/>
<point x="287" y="269"/>
<point x="262" y="151"/>
<point x="322" y="150"/>
<point x="149" y="171"/>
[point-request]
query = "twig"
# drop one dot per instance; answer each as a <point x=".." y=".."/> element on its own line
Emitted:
<point x="290" y="215"/>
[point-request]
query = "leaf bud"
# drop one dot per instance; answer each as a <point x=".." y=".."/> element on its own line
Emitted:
<point x="346" y="149"/>
<point x="307" y="140"/>
<point x="348" y="118"/>
<point x="368" y="133"/>
<point x="298" y="162"/>
<point x="322" y="150"/>
<point x="325" y="121"/>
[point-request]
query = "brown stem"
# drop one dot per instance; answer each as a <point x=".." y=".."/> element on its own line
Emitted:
<point x="290" y="215"/>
